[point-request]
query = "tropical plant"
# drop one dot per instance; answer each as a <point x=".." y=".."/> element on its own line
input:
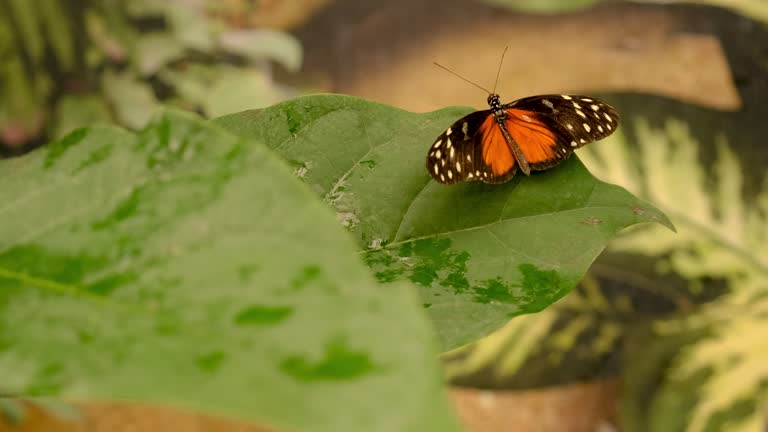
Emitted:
<point x="690" y="320"/>
<point x="195" y="264"/>
<point x="70" y="63"/>
<point x="755" y="9"/>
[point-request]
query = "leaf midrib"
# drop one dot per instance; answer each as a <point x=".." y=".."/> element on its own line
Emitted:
<point x="496" y="222"/>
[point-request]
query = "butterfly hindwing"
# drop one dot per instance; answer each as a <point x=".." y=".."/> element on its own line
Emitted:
<point x="548" y="128"/>
<point x="543" y="130"/>
<point x="472" y="148"/>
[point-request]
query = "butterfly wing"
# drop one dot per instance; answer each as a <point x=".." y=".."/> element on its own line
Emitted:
<point x="548" y="128"/>
<point x="472" y="148"/>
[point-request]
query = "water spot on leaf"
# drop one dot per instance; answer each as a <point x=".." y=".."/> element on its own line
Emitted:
<point x="86" y="336"/>
<point x="537" y="281"/>
<point x="211" y="362"/>
<point x="35" y="261"/>
<point x="56" y="150"/>
<point x="108" y="284"/>
<point x="435" y="257"/>
<point x="98" y="155"/>
<point x="371" y="164"/>
<point x="293" y="119"/>
<point x="124" y="210"/>
<point x="247" y="271"/>
<point x="375" y="257"/>
<point x="308" y="275"/>
<point x="168" y="324"/>
<point x="48" y="381"/>
<point x="493" y="291"/>
<point x="390" y="275"/>
<point x="263" y="315"/>
<point x="424" y="262"/>
<point x="339" y="362"/>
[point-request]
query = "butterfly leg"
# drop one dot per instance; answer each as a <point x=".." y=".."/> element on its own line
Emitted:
<point x="519" y="156"/>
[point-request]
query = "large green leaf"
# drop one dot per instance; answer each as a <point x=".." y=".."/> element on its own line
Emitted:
<point x="184" y="265"/>
<point x="480" y="253"/>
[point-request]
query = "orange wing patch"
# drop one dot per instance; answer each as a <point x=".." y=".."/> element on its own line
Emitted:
<point x="536" y="140"/>
<point x="496" y="152"/>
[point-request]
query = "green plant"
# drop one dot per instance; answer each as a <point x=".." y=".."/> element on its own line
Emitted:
<point x="187" y="265"/>
<point x="70" y="63"/>
<point x="756" y="9"/>
<point x="694" y="361"/>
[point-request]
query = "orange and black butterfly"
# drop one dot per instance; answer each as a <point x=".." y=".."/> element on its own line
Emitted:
<point x="533" y="133"/>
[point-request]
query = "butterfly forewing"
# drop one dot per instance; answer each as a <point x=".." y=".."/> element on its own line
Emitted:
<point x="549" y="127"/>
<point x="460" y="152"/>
<point x="544" y="130"/>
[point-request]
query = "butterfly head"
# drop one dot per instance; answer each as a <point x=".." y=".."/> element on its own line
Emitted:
<point x="494" y="102"/>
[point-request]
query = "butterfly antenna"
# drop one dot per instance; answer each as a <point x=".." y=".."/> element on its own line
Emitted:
<point x="498" y="72"/>
<point x="476" y="85"/>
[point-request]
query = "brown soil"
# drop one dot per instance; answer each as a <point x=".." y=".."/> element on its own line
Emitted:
<point x="587" y="408"/>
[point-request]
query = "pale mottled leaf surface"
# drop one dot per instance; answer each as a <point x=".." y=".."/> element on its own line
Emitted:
<point x="480" y="253"/>
<point x="185" y="265"/>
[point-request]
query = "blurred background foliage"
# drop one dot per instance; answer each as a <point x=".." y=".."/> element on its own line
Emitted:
<point x="67" y="63"/>
<point x="753" y="8"/>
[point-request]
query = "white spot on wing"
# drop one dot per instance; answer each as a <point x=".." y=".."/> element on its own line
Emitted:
<point x="586" y="127"/>
<point x="599" y="128"/>
<point x="458" y="167"/>
<point x="452" y="152"/>
<point x="594" y="107"/>
<point x="526" y="118"/>
<point x="442" y="178"/>
<point x="607" y="117"/>
<point x="586" y="100"/>
<point x="448" y="132"/>
<point x="583" y="141"/>
<point x="569" y="126"/>
<point x="577" y="106"/>
<point x="469" y="158"/>
<point x="577" y="112"/>
<point x="573" y="144"/>
<point x="436" y="169"/>
<point x="450" y="174"/>
<point x="438" y="154"/>
<point x="549" y="104"/>
<point x="448" y="143"/>
<point x="566" y="97"/>
<point x="438" y="144"/>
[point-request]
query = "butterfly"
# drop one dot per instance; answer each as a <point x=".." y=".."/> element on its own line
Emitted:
<point x="530" y="134"/>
